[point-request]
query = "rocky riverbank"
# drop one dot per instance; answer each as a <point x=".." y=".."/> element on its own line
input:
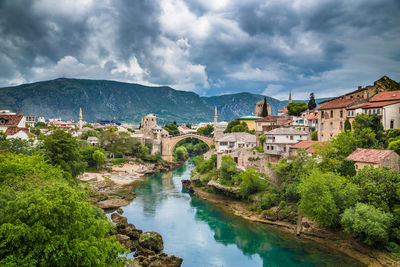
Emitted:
<point x="309" y="230"/>
<point x="114" y="189"/>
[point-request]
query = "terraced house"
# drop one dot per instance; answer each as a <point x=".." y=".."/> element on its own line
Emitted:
<point x="333" y="113"/>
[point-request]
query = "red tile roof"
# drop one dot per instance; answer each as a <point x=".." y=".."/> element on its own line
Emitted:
<point x="386" y="96"/>
<point x="270" y="119"/>
<point x="374" y="104"/>
<point x="307" y="145"/>
<point x="312" y="116"/>
<point x="283" y="110"/>
<point x="338" y="103"/>
<point x="369" y="155"/>
<point x="14" y="130"/>
<point x="12" y="120"/>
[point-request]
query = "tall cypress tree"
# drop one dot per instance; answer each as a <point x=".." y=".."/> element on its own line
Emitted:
<point x="347" y="125"/>
<point x="264" y="112"/>
<point x="311" y="104"/>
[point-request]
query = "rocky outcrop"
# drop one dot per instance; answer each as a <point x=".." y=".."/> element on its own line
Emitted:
<point x="112" y="203"/>
<point x="187" y="184"/>
<point x="147" y="246"/>
<point x="226" y="190"/>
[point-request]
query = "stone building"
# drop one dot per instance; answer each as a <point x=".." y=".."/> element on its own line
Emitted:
<point x="233" y="141"/>
<point x="269" y="123"/>
<point x="258" y="108"/>
<point x="151" y="133"/>
<point x="375" y="158"/>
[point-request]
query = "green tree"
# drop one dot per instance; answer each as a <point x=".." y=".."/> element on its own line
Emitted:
<point x="240" y="128"/>
<point x="369" y="130"/>
<point x="227" y="169"/>
<point x="40" y="125"/>
<point x="369" y="224"/>
<point x="395" y="145"/>
<point x="296" y="108"/>
<point x="251" y="182"/>
<point x="54" y="226"/>
<point x="203" y="166"/>
<point x="17" y="146"/>
<point x="347" y="125"/>
<point x="87" y="134"/>
<point x="62" y="149"/>
<point x="262" y="140"/>
<point x="264" y="112"/>
<point x="231" y="125"/>
<point x="208" y="130"/>
<point x="181" y="153"/>
<point x="98" y="157"/>
<point x="379" y="187"/>
<point x="172" y="129"/>
<point x="324" y="196"/>
<point x="314" y="136"/>
<point x="311" y="103"/>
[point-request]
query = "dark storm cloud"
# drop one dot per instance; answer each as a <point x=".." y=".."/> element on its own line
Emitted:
<point x="208" y="46"/>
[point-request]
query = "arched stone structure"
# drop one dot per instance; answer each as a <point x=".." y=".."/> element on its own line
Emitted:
<point x="168" y="144"/>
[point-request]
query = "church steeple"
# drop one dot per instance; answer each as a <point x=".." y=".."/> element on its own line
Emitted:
<point x="290" y="96"/>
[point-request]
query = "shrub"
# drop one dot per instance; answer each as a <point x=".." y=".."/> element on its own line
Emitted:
<point x="119" y="161"/>
<point x="251" y="183"/>
<point x="269" y="200"/>
<point x="369" y="224"/>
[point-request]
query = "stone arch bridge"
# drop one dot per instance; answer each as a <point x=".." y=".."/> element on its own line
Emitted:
<point x="168" y="144"/>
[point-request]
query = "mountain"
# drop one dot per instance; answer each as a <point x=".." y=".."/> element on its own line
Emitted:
<point x="125" y="102"/>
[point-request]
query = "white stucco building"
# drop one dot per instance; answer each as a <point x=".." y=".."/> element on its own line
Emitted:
<point x="233" y="141"/>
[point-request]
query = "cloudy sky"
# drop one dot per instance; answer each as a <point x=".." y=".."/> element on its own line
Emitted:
<point x="211" y="47"/>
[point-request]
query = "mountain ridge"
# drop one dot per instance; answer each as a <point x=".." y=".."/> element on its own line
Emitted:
<point x="126" y="102"/>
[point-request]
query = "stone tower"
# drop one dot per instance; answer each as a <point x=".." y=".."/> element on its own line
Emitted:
<point x="80" y="124"/>
<point x="258" y="107"/>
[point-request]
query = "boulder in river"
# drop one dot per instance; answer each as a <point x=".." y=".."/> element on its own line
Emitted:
<point x="112" y="203"/>
<point x="126" y="241"/>
<point x="152" y="241"/>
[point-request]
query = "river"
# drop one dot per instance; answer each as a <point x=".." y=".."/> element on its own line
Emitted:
<point x="205" y="235"/>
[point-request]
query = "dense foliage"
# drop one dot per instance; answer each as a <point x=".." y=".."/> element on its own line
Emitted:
<point x="264" y="112"/>
<point x="207" y="130"/>
<point x="296" y="108"/>
<point x="172" y="129"/>
<point x="311" y="103"/>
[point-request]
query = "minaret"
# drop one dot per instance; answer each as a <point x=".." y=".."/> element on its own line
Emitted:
<point x="80" y="119"/>
<point x="215" y="118"/>
<point x="290" y="97"/>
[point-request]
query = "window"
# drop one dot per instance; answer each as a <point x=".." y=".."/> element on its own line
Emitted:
<point x="331" y="126"/>
<point x="272" y="148"/>
<point x="322" y="126"/>
<point x="356" y="167"/>
<point x="331" y="135"/>
<point x="369" y="112"/>
<point x="331" y="113"/>
<point x="352" y="113"/>
<point x="322" y="114"/>
<point x="291" y="137"/>
<point x="378" y="111"/>
<point x="341" y="114"/>
<point x="391" y="124"/>
<point x="341" y="126"/>
<point x="2" y="121"/>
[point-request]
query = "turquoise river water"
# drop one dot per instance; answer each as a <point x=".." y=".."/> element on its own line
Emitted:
<point x="205" y="235"/>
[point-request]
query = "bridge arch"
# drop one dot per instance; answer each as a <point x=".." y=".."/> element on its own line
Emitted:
<point x="168" y="144"/>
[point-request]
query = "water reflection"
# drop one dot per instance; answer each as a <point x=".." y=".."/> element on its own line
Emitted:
<point x="205" y="235"/>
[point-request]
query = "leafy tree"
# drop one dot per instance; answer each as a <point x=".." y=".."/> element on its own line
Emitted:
<point x="296" y="108"/>
<point x="391" y="135"/>
<point x="19" y="172"/>
<point x="207" y="130"/>
<point x="172" y="129"/>
<point x="347" y="125"/>
<point x="251" y="182"/>
<point x="17" y="146"/>
<point x="311" y="103"/>
<point x="262" y="140"/>
<point x="369" y="224"/>
<point x="181" y="153"/>
<point x="54" y="226"/>
<point x="395" y="145"/>
<point x="98" y="157"/>
<point x="62" y="149"/>
<point x="40" y="125"/>
<point x="228" y="169"/>
<point x="87" y="154"/>
<point x="264" y="112"/>
<point x="324" y="196"/>
<point x="231" y="125"/>
<point x="204" y="166"/>
<point x="368" y="129"/>
<point x="240" y="128"/>
<point x="378" y="187"/>
<point x="87" y="134"/>
<point x="314" y="136"/>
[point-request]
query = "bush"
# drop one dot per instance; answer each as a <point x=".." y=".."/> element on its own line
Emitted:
<point x="119" y="161"/>
<point x="269" y="200"/>
<point x="227" y="170"/>
<point x="251" y="183"/>
<point x="314" y="136"/>
<point x="369" y="224"/>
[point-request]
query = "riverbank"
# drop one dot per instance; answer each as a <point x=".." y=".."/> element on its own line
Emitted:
<point x="329" y="239"/>
<point x="114" y="189"/>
